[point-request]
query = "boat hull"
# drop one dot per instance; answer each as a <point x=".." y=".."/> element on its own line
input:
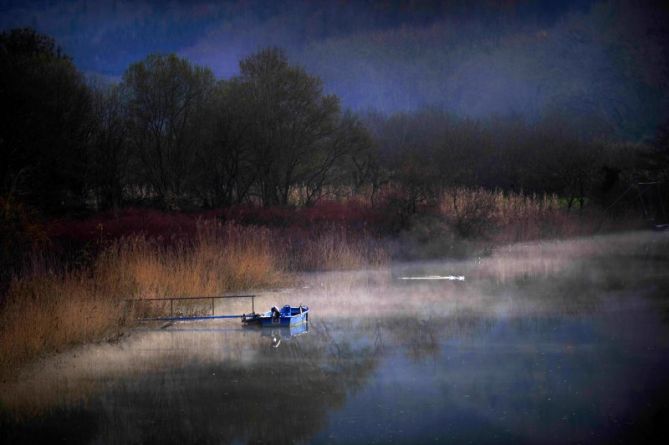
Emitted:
<point x="284" y="320"/>
<point x="288" y="316"/>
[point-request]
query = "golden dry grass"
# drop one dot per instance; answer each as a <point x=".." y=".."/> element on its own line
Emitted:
<point x="46" y="311"/>
<point x="335" y="249"/>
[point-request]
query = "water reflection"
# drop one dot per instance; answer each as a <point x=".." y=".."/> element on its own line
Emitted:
<point x="282" y="333"/>
<point x="177" y="388"/>
<point x="572" y="348"/>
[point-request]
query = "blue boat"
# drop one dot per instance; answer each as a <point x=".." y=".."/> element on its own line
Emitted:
<point x="286" y="316"/>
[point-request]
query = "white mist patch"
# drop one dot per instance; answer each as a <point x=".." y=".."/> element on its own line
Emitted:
<point x="437" y="277"/>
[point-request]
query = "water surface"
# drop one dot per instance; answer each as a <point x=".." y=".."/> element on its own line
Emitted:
<point x="540" y="343"/>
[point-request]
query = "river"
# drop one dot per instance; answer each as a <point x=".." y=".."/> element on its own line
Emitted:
<point x="554" y="342"/>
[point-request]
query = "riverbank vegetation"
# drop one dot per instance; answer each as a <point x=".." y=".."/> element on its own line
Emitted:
<point x="54" y="304"/>
<point x="173" y="182"/>
<point x="74" y="287"/>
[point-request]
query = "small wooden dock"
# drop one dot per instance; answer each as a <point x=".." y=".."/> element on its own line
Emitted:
<point x="133" y="302"/>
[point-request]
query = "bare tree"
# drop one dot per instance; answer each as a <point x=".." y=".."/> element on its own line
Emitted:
<point x="226" y="165"/>
<point x="109" y="159"/>
<point x="293" y="124"/>
<point x="167" y="97"/>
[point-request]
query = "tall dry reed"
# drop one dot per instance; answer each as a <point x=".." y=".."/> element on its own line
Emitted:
<point x="334" y="248"/>
<point x="47" y="310"/>
<point x="504" y="217"/>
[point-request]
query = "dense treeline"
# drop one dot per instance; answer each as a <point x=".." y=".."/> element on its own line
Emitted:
<point x="430" y="151"/>
<point x="168" y="133"/>
<point x="171" y="135"/>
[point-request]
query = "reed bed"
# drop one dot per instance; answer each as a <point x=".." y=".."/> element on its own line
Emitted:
<point x="55" y="303"/>
<point x="505" y="218"/>
<point x="333" y="248"/>
<point x="47" y="309"/>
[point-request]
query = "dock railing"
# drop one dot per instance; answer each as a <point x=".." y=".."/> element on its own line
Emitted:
<point x="132" y="302"/>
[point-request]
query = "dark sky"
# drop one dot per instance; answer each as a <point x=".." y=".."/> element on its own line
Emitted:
<point x="603" y="60"/>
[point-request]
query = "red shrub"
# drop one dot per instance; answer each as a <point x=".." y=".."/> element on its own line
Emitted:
<point x="107" y="226"/>
<point x="349" y="214"/>
<point x="178" y="226"/>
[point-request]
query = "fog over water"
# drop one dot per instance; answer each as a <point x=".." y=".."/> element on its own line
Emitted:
<point x="550" y="342"/>
<point x="154" y="162"/>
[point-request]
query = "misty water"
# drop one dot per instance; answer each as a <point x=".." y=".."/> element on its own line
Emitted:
<point x="538" y="343"/>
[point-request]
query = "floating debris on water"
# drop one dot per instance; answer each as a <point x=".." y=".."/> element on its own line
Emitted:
<point x="437" y="277"/>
